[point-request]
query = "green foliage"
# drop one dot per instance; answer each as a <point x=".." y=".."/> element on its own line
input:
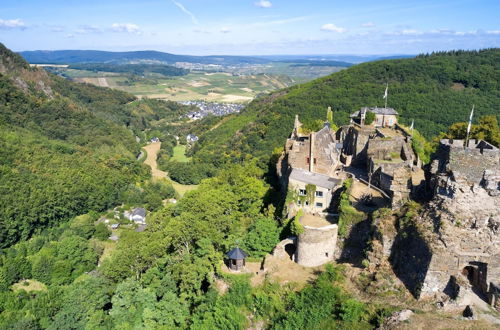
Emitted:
<point x="310" y="193"/>
<point x="136" y="69"/>
<point x="369" y="118"/>
<point x="422" y="89"/>
<point x="487" y="129"/>
<point x="189" y="173"/>
<point x="102" y="231"/>
<point x="422" y="147"/>
<point x="321" y="305"/>
<point x="296" y="227"/>
<point x="262" y="237"/>
<point x="348" y="215"/>
<point x="150" y="194"/>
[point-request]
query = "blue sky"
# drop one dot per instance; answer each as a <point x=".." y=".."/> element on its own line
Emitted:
<point x="251" y="27"/>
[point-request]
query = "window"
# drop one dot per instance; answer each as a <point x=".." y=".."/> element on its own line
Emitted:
<point x="314" y="161"/>
<point x="298" y="202"/>
<point x="326" y="254"/>
<point x="307" y="160"/>
<point x="306" y="203"/>
<point x="319" y="194"/>
<point x="319" y="204"/>
<point x="302" y="192"/>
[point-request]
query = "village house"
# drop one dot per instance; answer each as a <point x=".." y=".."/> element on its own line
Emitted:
<point x="137" y="215"/>
<point x="384" y="117"/>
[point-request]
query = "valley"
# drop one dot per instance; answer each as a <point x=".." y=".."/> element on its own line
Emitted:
<point x="313" y="207"/>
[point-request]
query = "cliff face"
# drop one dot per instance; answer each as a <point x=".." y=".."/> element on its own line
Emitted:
<point x="26" y="78"/>
<point x="450" y="247"/>
<point x="465" y="217"/>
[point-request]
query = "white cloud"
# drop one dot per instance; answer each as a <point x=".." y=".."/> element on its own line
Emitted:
<point x="225" y="29"/>
<point x="263" y="4"/>
<point x="12" y="24"/>
<point x="411" y="32"/>
<point x="85" y="29"/>
<point x="125" y="27"/>
<point x="493" y="32"/>
<point x="368" y="24"/>
<point x="56" y="29"/>
<point x="69" y="36"/>
<point x="330" y="27"/>
<point x="187" y="12"/>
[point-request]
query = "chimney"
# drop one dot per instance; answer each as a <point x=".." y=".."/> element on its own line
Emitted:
<point x="311" y="152"/>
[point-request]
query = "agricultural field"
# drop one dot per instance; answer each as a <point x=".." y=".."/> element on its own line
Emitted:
<point x="212" y="87"/>
<point x="236" y="84"/>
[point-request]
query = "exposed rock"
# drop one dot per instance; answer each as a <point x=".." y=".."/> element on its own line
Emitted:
<point x="398" y="317"/>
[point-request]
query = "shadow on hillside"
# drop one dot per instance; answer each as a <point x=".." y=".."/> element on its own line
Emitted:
<point x="410" y="259"/>
<point x="355" y="244"/>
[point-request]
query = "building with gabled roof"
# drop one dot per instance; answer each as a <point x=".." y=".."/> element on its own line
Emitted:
<point x="311" y="160"/>
<point x="384" y="117"/>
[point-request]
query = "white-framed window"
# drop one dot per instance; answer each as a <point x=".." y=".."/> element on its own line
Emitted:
<point x="302" y="192"/>
<point x="306" y="203"/>
<point x="319" y="204"/>
<point x="319" y="193"/>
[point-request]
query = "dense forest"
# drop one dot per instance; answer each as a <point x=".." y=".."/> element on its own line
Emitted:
<point x="66" y="148"/>
<point x="68" y="162"/>
<point x="434" y="90"/>
<point x="166" y="277"/>
<point x="136" y="69"/>
<point x="98" y="56"/>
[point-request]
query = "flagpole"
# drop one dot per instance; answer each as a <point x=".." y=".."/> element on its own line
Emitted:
<point x="386" y="94"/>
<point x="468" y="127"/>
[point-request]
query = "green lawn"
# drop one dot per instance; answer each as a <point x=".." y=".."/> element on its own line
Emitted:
<point x="180" y="154"/>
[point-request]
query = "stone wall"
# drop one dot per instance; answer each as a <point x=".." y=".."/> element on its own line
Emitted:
<point x="316" y="246"/>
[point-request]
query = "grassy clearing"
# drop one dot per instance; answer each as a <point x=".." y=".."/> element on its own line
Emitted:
<point x="109" y="246"/>
<point x="180" y="154"/>
<point x="181" y="189"/>
<point x="29" y="285"/>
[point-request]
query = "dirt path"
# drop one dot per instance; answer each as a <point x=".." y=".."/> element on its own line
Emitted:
<point x="103" y="82"/>
<point x="152" y="150"/>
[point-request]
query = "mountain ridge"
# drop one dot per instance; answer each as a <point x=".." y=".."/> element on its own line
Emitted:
<point x="434" y="91"/>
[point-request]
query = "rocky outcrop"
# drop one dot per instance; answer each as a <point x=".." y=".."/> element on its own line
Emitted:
<point x="465" y="219"/>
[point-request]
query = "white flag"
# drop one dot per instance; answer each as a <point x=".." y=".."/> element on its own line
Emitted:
<point x="385" y="94"/>
<point x="470" y="120"/>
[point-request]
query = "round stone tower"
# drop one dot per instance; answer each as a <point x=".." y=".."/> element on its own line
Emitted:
<point x="316" y="245"/>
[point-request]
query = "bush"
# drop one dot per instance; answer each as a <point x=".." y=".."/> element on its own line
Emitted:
<point x="102" y="232"/>
<point x="370" y="117"/>
<point x="348" y="215"/>
<point x="189" y="173"/>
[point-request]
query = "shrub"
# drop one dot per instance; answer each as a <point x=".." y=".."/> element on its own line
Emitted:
<point x="102" y="232"/>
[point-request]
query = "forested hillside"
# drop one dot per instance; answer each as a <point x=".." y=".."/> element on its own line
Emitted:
<point x="435" y="90"/>
<point x="65" y="148"/>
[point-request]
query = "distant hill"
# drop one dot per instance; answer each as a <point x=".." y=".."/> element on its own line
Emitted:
<point x="65" y="148"/>
<point x="97" y="56"/>
<point x="345" y="58"/>
<point x="434" y="90"/>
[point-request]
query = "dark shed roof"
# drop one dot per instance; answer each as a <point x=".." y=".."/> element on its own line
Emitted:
<point x="237" y="253"/>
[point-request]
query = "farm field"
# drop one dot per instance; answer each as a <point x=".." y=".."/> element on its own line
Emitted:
<point x="213" y="87"/>
<point x="237" y="84"/>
